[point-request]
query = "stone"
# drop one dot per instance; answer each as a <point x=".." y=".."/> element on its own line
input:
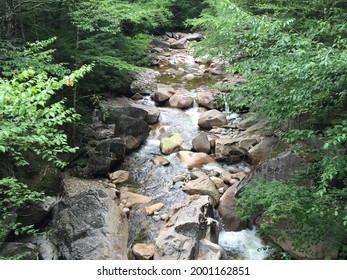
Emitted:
<point x="226" y="210"/>
<point x="201" y="143"/>
<point x="153" y="208"/>
<point x="119" y="176"/>
<point x="228" y="178"/>
<point x="106" y="154"/>
<point x="180" y="101"/>
<point x="218" y="182"/>
<point x="282" y="167"/>
<point x="156" y="218"/>
<point x="210" y="251"/>
<point x="143" y="251"/>
<point x="207" y="99"/>
<point x="153" y="113"/>
<point x="189" y="77"/>
<point x="212" y="118"/>
<point x="179" y="44"/>
<point x="196" y="36"/>
<point x="109" y="114"/>
<point x="227" y="150"/>
<point x="247" y="121"/>
<point x="90" y="226"/>
<point x="179" y="238"/>
<point x="134" y="198"/>
<point x="137" y="96"/>
<point x="162" y="161"/>
<point x="159" y="43"/>
<point x="179" y="178"/>
<point x="218" y="69"/>
<point x="263" y="150"/>
<point x="132" y="131"/>
<point x="163" y="93"/>
<point x="164" y="217"/>
<point x="170" y="144"/>
<point x="193" y="159"/>
<point x="203" y="186"/>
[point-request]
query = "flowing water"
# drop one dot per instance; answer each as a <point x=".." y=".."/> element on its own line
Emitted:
<point x="156" y="181"/>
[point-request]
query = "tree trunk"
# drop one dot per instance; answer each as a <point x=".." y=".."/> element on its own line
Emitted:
<point x="9" y="20"/>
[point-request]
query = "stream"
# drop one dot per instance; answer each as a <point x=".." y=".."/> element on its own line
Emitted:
<point x="156" y="181"/>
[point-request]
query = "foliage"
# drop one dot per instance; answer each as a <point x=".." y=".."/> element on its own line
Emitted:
<point x="29" y="119"/>
<point x="292" y="211"/>
<point x="293" y="55"/>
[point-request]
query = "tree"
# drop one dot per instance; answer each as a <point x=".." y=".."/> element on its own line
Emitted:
<point x="294" y="56"/>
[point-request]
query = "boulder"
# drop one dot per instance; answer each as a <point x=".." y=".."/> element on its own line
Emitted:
<point x="193" y="221"/>
<point x="163" y="93"/>
<point x="132" y="131"/>
<point x="218" y="182"/>
<point x="227" y="149"/>
<point x="226" y="210"/>
<point x="90" y="226"/>
<point x="203" y="186"/>
<point x="210" y="251"/>
<point x="134" y="198"/>
<point x="160" y="43"/>
<point x="179" y="44"/>
<point x="201" y="143"/>
<point x="162" y="161"/>
<point x="105" y="155"/>
<point x="153" y="113"/>
<point x="143" y="251"/>
<point x="119" y="176"/>
<point x="212" y="118"/>
<point x="194" y="159"/>
<point x="180" y="101"/>
<point x="262" y="150"/>
<point x="282" y="167"/>
<point x="170" y="144"/>
<point x="109" y="114"/>
<point x="196" y="36"/>
<point x="207" y="99"/>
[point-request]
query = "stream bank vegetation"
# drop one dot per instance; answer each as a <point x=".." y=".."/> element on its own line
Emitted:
<point x="294" y="57"/>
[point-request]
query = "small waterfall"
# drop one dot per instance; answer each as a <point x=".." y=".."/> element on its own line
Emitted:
<point x="244" y="244"/>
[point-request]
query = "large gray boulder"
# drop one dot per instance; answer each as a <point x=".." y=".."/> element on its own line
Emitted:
<point x="144" y="82"/>
<point x="203" y="186"/>
<point x="163" y="93"/>
<point x="179" y="238"/>
<point x="201" y="143"/>
<point x="105" y="155"/>
<point x="90" y="226"/>
<point x="153" y="113"/>
<point x="212" y="118"/>
<point x="132" y="131"/>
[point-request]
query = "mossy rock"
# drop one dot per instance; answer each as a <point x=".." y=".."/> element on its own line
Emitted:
<point x="170" y="144"/>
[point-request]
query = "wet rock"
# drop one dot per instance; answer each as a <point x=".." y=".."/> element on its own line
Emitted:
<point x="153" y="208"/>
<point x="132" y="131"/>
<point x="170" y="144"/>
<point x="153" y="113"/>
<point x="201" y="143"/>
<point x="226" y="210"/>
<point x="90" y="226"/>
<point x="194" y="159"/>
<point x="203" y="186"/>
<point x="263" y="150"/>
<point x="180" y="101"/>
<point x="179" y="237"/>
<point x="162" y="161"/>
<point x="163" y="93"/>
<point x="143" y="251"/>
<point x="134" y="198"/>
<point x="210" y="251"/>
<point x="212" y="118"/>
<point x="119" y="176"/>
